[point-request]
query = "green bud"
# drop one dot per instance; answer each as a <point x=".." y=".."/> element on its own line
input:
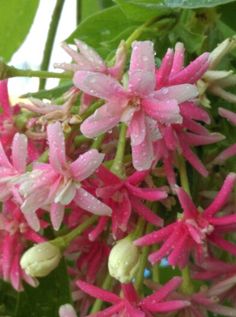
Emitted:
<point x="41" y="259"/>
<point x="123" y="260"/>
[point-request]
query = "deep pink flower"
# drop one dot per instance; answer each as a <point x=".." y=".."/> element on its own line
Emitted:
<point x="130" y="305"/>
<point x="194" y="230"/>
<point x="123" y="196"/>
<point x="15" y="236"/>
<point x="140" y="106"/>
<point x="56" y="184"/>
<point x="7" y="129"/>
<point x="180" y="138"/>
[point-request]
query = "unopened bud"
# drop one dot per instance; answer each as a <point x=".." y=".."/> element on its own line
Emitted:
<point x="41" y="259"/>
<point x="221" y="50"/>
<point x="123" y="260"/>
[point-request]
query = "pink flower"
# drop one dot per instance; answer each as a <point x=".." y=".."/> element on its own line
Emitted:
<point x="140" y="106"/>
<point x="7" y="129"/>
<point x="180" y="138"/>
<point x="231" y="150"/>
<point x="15" y="235"/>
<point x="55" y="184"/>
<point x="130" y="305"/>
<point x="123" y="196"/>
<point x="194" y="230"/>
<point x="10" y="171"/>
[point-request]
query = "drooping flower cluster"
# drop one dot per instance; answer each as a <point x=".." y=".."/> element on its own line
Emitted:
<point x="105" y="172"/>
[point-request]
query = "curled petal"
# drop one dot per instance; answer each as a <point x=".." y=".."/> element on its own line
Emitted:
<point x="19" y="152"/>
<point x="229" y="115"/>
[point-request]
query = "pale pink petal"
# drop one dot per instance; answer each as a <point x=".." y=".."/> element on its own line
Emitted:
<point x="88" y="202"/>
<point x="57" y="215"/>
<point x="229" y="115"/>
<point x="32" y="220"/>
<point x="92" y="56"/>
<point x="137" y="128"/>
<point x="67" y="310"/>
<point x="103" y="119"/>
<point x="65" y="193"/>
<point x="142" y="68"/>
<point x="194" y="139"/>
<point x="19" y="152"/>
<point x="86" y="164"/>
<point x="98" y="85"/>
<point x="221" y="310"/>
<point x="178" y="60"/>
<point x="164" y="71"/>
<point x="56" y="141"/>
<point x="81" y="62"/>
<point x="166" y="111"/>
<point x="97" y="292"/>
<point x="222" y="196"/>
<point x="181" y="93"/>
<point x="142" y="155"/>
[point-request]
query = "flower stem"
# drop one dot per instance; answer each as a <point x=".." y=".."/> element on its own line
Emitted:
<point x="16" y="72"/>
<point x="50" y="39"/>
<point x="98" y="303"/>
<point x="142" y="264"/>
<point x="117" y="166"/>
<point x="65" y="240"/>
<point x="98" y="141"/>
<point x="187" y="286"/>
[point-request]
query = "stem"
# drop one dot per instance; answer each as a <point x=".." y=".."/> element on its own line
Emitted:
<point x="65" y="240"/>
<point x="91" y="109"/>
<point x="50" y="39"/>
<point x="16" y="72"/>
<point x="98" y="303"/>
<point x="136" y="34"/>
<point x="117" y="166"/>
<point x="142" y="264"/>
<point x="78" y="11"/>
<point x="183" y="174"/>
<point x="98" y="141"/>
<point x="187" y="286"/>
<point x="80" y="139"/>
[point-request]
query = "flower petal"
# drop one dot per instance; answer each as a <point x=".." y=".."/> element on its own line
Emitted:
<point x="180" y="93"/>
<point x="142" y="68"/>
<point x="86" y="164"/>
<point x="103" y="119"/>
<point x="137" y="128"/>
<point x="57" y="215"/>
<point x="57" y="156"/>
<point x="19" y="152"/>
<point x="142" y="155"/>
<point x="88" y="202"/>
<point x="98" y="85"/>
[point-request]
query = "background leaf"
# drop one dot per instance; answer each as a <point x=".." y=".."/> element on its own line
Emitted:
<point x="16" y="17"/>
<point x="45" y="300"/>
<point x="193" y="4"/>
<point x="101" y="28"/>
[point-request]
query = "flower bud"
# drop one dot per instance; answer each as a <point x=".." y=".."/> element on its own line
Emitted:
<point x="123" y="260"/>
<point x="41" y="259"/>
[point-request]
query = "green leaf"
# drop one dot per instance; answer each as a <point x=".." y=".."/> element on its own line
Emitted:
<point x="89" y="7"/>
<point x="100" y="28"/>
<point x="192" y="41"/>
<point x="194" y="4"/>
<point x="141" y="11"/>
<point x="16" y="17"/>
<point x="45" y="300"/>
<point x="51" y="93"/>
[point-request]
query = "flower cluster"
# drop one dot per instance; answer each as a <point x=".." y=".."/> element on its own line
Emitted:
<point x="106" y="172"/>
